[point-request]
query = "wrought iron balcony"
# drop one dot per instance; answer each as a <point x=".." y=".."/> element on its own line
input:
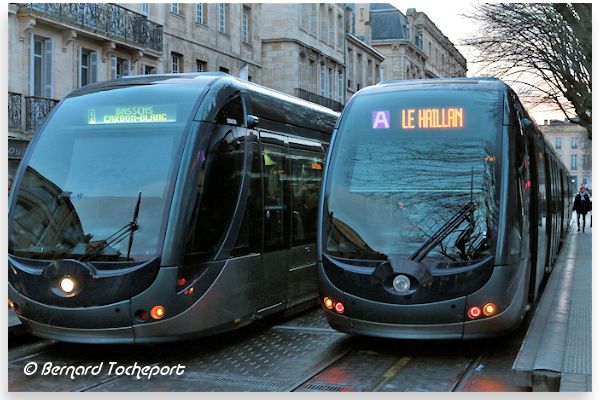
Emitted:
<point x="36" y="109"/>
<point x="315" y="98"/>
<point x="109" y="20"/>
<point x="15" y="106"/>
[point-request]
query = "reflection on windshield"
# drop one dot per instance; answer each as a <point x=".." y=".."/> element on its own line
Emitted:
<point x="430" y="193"/>
<point x="79" y="196"/>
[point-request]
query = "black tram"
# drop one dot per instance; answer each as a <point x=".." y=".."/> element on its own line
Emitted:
<point x="166" y="207"/>
<point x="443" y="209"/>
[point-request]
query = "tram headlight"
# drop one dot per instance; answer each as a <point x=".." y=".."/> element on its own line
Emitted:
<point x="401" y="283"/>
<point x="328" y="303"/>
<point x="67" y="284"/>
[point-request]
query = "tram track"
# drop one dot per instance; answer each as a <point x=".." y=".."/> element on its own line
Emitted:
<point x="295" y="355"/>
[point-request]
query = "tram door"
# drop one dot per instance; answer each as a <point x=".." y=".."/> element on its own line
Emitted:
<point x="276" y="217"/>
<point x="305" y="184"/>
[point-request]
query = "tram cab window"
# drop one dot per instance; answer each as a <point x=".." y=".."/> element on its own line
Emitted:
<point x="307" y="168"/>
<point x="232" y="113"/>
<point x="217" y="192"/>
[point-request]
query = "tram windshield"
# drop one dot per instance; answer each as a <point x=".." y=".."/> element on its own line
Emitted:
<point x="98" y="182"/>
<point x="413" y="173"/>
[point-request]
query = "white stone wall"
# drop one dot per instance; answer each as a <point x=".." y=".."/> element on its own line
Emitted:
<point x="566" y="132"/>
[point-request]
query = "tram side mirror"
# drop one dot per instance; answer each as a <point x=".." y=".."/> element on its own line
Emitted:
<point x="251" y="121"/>
<point x="525" y="123"/>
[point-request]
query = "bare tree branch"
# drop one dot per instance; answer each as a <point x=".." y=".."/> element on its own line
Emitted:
<point x="544" y="49"/>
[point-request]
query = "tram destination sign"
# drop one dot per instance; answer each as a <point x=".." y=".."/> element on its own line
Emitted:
<point x="421" y="118"/>
<point x="132" y="114"/>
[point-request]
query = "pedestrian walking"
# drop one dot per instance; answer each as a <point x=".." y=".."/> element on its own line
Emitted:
<point x="582" y="206"/>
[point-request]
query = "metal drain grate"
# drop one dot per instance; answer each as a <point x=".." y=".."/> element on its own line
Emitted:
<point x="324" y="387"/>
<point x="236" y="380"/>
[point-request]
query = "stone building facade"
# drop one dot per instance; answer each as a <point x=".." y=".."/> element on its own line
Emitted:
<point x="58" y="47"/>
<point x="200" y="37"/>
<point x="571" y="143"/>
<point x="363" y="65"/>
<point x="303" y="51"/>
<point x="413" y="46"/>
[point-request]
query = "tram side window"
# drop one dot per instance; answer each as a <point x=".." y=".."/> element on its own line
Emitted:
<point x="217" y="193"/>
<point x="232" y="113"/>
<point x="307" y="169"/>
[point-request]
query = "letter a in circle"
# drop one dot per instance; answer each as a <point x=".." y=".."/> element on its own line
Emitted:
<point x="381" y="120"/>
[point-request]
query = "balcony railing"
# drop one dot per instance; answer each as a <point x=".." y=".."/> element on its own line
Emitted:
<point x="109" y="20"/>
<point x="36" y="109"/>
<point x="315" y="98"/>
<point x="15" y="107"/>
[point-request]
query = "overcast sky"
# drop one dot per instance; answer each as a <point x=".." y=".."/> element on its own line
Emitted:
<point x="447" y="15"/>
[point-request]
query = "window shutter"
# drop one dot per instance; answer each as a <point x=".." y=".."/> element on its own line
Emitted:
<point x="113" y="67"/>
<point x="31" y="65"/>
<point x="79" y="58"/>
<point x="93" y="66"/>
<point x="48" y="66"/>
<point x="125" y="71"/>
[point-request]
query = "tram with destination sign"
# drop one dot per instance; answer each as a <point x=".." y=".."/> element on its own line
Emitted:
<point x="164" y="207"/>
<point x="442" y="211"/>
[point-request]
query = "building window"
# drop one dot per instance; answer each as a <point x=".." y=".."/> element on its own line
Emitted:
<point x="323" y="80"/>
<point x="176" y="63"/>
<point x="201" y="66"/>
<point x="340" y="31"/>
<point x="314" y="25"/>
<point x="377" y="73"/>
<point x="359" y="73"/>
<point x="145" y="9"/>
<point x="200" y="13"/>
<point x="587" y="164"/>
<point x="88" y="66"/>
<point x="306" y="17"/>
<point x="419" y="37"/>
<point x="41" y="67"/>
<point x="340" y="86"/>
<point x="557" y="143"/>
<point x="574" y="162"/>
<point x="331" y="82"/>
<point x="223" y="69"/>
<point x="331" y="27"/>
<point x="246" y="24"/>
<point x="350" y="67"/>
<point x="223" y="17"/>
<point x="119" y="67"/>
<point x="574" y="188"/>
<point x="369" y="72"/>
<point x="175" y="8"/>
<point x="573" y="143"/>
<point x="146" y="69"/>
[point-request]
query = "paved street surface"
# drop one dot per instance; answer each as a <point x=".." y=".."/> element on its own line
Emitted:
<point x="298" y="354"/>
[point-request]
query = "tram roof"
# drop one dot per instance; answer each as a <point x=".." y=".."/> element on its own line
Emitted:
<point x="415" y="84"/>
<point x="275" y="105"/>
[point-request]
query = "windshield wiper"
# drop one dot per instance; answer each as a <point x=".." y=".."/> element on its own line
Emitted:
<point x="119" y="235"/>
<point x="446" y="229"/>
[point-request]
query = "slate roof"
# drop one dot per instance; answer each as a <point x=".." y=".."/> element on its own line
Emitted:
<point x="387" y="22"/>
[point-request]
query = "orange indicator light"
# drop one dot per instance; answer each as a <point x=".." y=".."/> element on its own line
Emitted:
<point x="489" y="309"/>
<point x="339" y="308"/>
<point x="11" y="305"/>
<point x="157" y="312"/>
<point x="474" y="312"/>
<point x="328" y="303"/>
